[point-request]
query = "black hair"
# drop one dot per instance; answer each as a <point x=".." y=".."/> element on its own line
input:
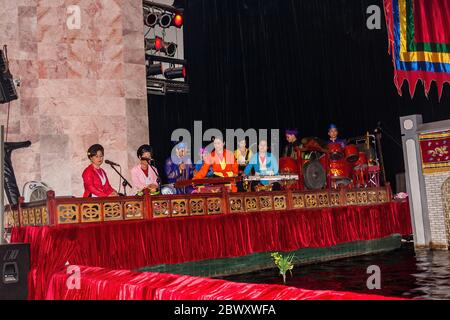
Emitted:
<point x="92" y="151"/>
<point x="143" y="149"/>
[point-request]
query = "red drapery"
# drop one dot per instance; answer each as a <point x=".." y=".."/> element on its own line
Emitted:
<point x="103" y="284"/>
<point x="130" y="245"/>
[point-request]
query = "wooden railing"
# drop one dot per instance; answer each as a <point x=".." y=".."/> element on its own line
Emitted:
<point x="71" y="210"/>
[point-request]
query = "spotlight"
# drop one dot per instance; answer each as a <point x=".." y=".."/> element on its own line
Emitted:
<point x="154" y="69"/>
<point x="154" y="44"/>
<point x="178" y="20"/>
<point x="169" y="48"/>
<point x="165" y="20"/>
<point x="174" y="73"/>
<point x="151" y="19"/>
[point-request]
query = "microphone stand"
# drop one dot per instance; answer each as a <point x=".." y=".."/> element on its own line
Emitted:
<point x="125" y="182"/>
<point x="158" y="179"/>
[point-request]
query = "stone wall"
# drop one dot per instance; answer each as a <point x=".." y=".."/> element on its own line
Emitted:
<point x="79" y="87"/>
<point x="433" y="185"/>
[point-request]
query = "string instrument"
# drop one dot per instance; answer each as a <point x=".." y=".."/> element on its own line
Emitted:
<point x="195" y="182"/>
<point x="281" y="177"/>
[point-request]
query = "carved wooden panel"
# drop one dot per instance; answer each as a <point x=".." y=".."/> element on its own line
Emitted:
<point x="361" y="197"/>
<point x="179" y="208"/>
<point x="382" y="196"/>
<point x="334" y="199"/>
<point x="251" y="204"/>
<point x="44" y="216"/>
<point x="311" y="200"/>
<point x="24" y="219"/>
<point x="236" y="204"/>
<point x="265" y="203"/>
<point x="112" y="211"/>
<point x="67" y="213"/>
<point x="279" y="202"/>
<point x="298" y="200"/>
<point x="323" y="200"/>
<point x="134" y="210"/>
<point x="160" y="208"/>
<point x="197" y="206"/>
<point x="91" y="212"/>
<point x="372" y="197"/>
<point x="214" y="205"/>
<point x="351" y="198"/>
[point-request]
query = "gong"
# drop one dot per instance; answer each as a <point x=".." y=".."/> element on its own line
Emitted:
<point x="314" y="175"/>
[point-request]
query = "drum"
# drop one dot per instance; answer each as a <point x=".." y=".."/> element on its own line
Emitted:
<point x="362" y="161"/>
<point x="336" y="152"/>
<point x="288" y="165"/>
<point x="340" y="172"/>
<point x="351" y="153"/>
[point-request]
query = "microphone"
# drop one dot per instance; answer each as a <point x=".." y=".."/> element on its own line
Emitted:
<point x="151" y="161"/>
<point x="112" y="163"/>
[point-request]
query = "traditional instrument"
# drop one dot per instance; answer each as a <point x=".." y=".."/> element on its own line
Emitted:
<point x="218" y="180"/>
<point x="340" y="172"/>
<point x="336" y="152"/>
<point x="314" y="175"/>
<point x="288" y="166"/>
<point x="281" y="177"/>
<point x="361" y="163"/>
<point x="351" y="153"/>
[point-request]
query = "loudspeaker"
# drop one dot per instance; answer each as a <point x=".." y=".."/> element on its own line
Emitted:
<point x="14" y="269"/>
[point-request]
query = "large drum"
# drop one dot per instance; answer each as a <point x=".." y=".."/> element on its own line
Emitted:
<point x="340" y="172"/>
<point x="336" y="152"/>
<point x="288" y="166"/>
<point x="351" y="153"/>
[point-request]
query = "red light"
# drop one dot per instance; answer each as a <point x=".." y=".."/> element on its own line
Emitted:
<point x="158" y="43"/>
<point x="184" y="72"/>
<point x="178" y="20"/>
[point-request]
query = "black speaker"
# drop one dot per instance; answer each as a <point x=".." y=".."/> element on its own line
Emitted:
<point x="14" y="269"/>
<point x="7" y="89"/>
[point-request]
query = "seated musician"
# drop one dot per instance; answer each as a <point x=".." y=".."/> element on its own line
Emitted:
<point x="221" y="161"/>
<point x="179" y="167"/>
<point x="333" y="134"/>
<point x="292" y="143"/>
<point x="203" y="154"/>
<point x="264" y="164"/>
<point x="144" y="175"/>
<point x="242" y="155"/>
<point x="95" y="180"/>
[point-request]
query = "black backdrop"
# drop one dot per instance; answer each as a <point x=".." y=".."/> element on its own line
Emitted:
<point x="289" y="63"/>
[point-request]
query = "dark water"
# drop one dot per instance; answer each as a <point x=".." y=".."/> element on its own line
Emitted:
<point x="404" y="273"/>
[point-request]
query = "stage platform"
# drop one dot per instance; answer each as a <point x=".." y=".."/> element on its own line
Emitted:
<point x="135" y="232"/>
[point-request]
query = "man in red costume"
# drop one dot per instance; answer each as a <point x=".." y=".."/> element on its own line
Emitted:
<point x="95" y="180"/>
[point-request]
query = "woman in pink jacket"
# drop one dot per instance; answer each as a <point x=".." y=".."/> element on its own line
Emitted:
<point x="144" y="175"/>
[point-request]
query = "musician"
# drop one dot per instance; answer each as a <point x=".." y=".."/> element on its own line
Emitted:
<point x="144" y="175"/>
<point x="333" y="134"/>
<point x="95" y="180"/>
<point x="264" y="164"/>
<point x="242" y="155"/>
<point x="221" y="161"/>
<point x="292" y="143"/>
<point x="179" y="167"/>
<point x="203" y="154"/>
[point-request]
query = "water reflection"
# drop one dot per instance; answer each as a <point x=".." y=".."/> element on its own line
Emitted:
<point x="404" y="273"/>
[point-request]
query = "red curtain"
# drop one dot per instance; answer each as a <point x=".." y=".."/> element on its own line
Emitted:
<point x="130" y="245"/>
<point x="103" y="284"/>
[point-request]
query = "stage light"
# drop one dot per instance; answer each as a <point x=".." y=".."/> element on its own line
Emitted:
<point x="169" y="48"/>
<point x="178" y="20"/>
<point x="165" y="20"/>
<point x="154" y="69"/>
<point x="151" y="19"/>
<point x="154" y="44"/>
<point x="174" y="73"/>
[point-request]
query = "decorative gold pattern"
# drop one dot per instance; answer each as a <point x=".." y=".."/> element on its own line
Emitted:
<point x="311" y="200"/>
<point x="91" y="212"/>
<point x="298" y="200"/>
<point x="351" y="198"/>
<point x="265" y="203"/>
<point x="25" y="220"/>
<point x="134" y="210"/>
<point x="179" y="208"/>
<point x="160" y="208"/>
<point x="31" y="217"/>
<point x="334" y="199"/>
<point x="382" y="196"/>
<point x="214" y="205"/>
<point x="323" y="200"/>
<point x="372" y="197"/>
<point x="251" y="204"/>
<point x="44" y="216"/>
<point x="236" y="204"/>
<point x="112" y="211"/>
<point x="197" y="206"/>
<point x="445" y="189"/>
<point x="67" y="213"/>
<point x="361" y="197"/>
<point x="279" y="202"/>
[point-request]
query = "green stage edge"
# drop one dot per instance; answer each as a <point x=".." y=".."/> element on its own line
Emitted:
<point x="260" y="261"/>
